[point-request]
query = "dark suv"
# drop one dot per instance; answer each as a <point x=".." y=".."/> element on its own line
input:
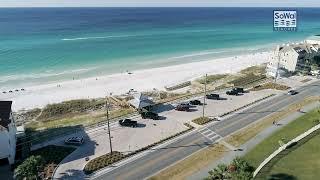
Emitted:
<point x="213" y="96"/>
<point x="128" y="123"/>
<point x="240" y="90"/>
<point x="182" y="107"/>
<point x="195" y="102"/>
<point x="149" y="115"/>
<point x="232" y="92"/>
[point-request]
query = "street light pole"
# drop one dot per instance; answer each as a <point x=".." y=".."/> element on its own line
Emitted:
<point x="204" y="96"/>
<point x="107" y="106"/>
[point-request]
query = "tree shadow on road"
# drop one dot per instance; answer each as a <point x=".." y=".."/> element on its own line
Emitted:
<point x="202" y="145"/>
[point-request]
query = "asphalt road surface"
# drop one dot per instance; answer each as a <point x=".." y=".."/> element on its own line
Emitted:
<point x="159" y="159"/>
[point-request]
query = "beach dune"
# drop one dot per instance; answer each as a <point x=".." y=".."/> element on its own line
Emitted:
<point x="140" y="80"/>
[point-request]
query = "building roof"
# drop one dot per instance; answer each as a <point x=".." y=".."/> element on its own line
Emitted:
<point x="5" y="110"/>
<point x="140" y="101"/>
<point x="300" y="48"/>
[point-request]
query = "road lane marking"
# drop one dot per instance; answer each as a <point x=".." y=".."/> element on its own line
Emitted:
<point x="249" y="116"/>
<point x="154" y="161"/>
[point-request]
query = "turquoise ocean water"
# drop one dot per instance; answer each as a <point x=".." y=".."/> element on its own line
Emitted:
<point x="43" y="45"/>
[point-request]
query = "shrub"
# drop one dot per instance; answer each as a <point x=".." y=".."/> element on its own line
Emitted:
<point x="202" y="120"/>
<point x="72" y="106"/>
<point x="238" y="169"/>
<point x="247" y="79"/>
<point x="103" y="161"/>
<point x="29" y="168"/>
<point x="211" y="78"/>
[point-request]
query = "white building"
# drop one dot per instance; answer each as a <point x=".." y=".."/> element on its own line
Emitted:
<point x="291" y="58"/>
<point x="7" y="132"/>
<point x="141" y="101"/>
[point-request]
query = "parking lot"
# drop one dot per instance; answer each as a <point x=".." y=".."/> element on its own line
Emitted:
<point x="148" y="131"/>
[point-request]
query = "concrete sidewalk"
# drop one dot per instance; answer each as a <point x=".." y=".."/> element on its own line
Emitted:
<point x="253" y="142"/>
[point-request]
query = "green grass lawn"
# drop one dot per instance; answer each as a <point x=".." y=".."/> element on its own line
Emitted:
<point x="288" y="132"/>
<point x="301" y="163"/>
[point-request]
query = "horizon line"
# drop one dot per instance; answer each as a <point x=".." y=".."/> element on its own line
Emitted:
<point x="160" y="7"/>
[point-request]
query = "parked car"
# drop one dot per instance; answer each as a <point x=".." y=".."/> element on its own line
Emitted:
<point x="74" y="141"/>
<point x="128" y="123"/>
<point x="292" y="92"/>
<point x="240" y="90"/>
<point x="195" y="102"/>
<point x="232" y="92"/>
<point x="185" y="104"/>
<point x="182" y="107"/>
<point x="213" y="96"/>
<point x="149" y="115"/>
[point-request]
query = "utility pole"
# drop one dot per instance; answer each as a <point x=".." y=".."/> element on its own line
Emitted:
<point x="204" y="96"/>
<point x="107" y="106"/>
<point x="278" y="51"/>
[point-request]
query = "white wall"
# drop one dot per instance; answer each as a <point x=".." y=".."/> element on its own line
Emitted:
<point x="4" y="144"/>
<point x="288" y="60"/>
<point x="8" y="142"/>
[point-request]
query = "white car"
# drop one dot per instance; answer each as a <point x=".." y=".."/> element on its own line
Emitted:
<point x="74" y="140"/>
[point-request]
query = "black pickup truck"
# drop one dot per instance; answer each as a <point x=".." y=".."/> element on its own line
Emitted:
<point x="213" y="96"/>
<point x="128" y="123"/>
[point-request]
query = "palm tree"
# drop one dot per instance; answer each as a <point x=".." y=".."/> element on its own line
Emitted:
<point x="241" y="164"/>
<point x="239" y="169"/>
<point x="220" y="172"/>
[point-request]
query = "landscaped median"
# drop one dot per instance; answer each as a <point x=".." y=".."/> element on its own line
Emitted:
<point x="108" y="159"/>
<point x="202" y="120"/>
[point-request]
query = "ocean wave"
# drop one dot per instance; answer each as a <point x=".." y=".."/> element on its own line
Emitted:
<point x="198" y="54"/>
<point x="98" y="37"/>
<point x="138" y="35"/>
<point x="48" y="73"/>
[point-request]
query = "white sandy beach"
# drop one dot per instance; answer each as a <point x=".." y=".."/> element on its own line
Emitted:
<point x="39" y="96"/>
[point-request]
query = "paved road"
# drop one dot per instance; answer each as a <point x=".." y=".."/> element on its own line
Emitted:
<point x="161" y="158"/>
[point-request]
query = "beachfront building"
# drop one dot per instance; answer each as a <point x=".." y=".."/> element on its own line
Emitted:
<point x="8" y="132"/>
<point x="141" y="101"/>
<point x="290" y="58"/>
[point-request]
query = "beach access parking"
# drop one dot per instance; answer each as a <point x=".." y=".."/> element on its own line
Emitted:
<point x="130" y="139"/>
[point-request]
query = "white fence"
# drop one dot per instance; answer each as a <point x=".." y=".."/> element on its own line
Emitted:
<point x="280" y="149"/>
